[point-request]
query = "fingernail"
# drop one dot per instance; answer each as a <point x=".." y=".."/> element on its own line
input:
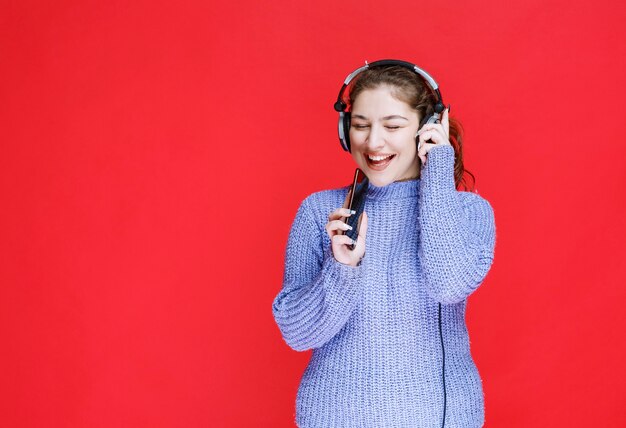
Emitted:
<point x="349" y="227"/>
<point x="352" y="212"/>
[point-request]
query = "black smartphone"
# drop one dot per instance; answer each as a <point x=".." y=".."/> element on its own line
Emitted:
<point x="356" y="201"/>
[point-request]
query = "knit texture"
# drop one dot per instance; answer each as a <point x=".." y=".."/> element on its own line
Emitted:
<point x="373" y="328"/>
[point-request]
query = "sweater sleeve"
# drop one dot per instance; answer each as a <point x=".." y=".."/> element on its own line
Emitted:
<point x="457" y="231"/>
<point x="319" y="293"/>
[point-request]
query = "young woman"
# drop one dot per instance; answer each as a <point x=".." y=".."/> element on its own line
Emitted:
<point x="386" y="320"/>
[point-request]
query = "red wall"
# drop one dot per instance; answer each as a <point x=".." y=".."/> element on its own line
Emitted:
<point x="153" y="156"/>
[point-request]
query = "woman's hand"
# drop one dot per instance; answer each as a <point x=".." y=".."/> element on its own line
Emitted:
<point x="437" y="133"/>
<point x="340" y="242"/>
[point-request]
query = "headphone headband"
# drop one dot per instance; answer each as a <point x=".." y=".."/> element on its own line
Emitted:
<point x="340" y="106"/>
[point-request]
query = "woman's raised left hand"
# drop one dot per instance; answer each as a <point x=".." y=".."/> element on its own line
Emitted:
<point x="437" y="133"/>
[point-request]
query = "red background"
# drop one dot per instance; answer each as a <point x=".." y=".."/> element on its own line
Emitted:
<point x="153" y="157"/>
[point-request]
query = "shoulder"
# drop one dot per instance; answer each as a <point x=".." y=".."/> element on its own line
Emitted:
<point x="471" y="197"/>
<point x="472" y="201"/>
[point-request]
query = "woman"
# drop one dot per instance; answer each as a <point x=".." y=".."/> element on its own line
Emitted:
<point x="387" y="324"/>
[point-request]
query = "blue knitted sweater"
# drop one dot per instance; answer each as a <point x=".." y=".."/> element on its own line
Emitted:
<point x="374" y="329"/>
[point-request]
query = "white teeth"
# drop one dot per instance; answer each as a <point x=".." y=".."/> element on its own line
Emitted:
<point x="378" y="158"/>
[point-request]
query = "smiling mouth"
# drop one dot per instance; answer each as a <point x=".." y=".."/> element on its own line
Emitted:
<point x="378" y="163"/>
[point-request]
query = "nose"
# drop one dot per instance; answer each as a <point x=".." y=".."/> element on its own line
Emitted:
<point x="375" y="139"/>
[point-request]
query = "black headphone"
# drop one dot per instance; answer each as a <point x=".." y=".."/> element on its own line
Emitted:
<point x="344" y="116"/>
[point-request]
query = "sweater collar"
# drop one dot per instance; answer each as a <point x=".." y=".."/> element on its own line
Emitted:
<point x="395" y="190"/>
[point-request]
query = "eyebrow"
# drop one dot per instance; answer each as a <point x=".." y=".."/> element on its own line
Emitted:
<point x="393" y="116"/>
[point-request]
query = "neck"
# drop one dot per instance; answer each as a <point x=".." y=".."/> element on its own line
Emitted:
<point x="407" y="188"/>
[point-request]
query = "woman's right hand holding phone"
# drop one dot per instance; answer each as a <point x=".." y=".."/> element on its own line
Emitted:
<point x="340" y="242"/>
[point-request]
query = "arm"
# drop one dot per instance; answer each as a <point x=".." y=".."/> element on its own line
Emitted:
<point x="318" y="293"/>
<point x="457" y="231"/>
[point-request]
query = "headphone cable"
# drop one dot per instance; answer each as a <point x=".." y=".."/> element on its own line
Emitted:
<point x="443" y="369"/>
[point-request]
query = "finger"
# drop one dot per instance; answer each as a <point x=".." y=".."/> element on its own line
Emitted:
<point x="432" y="137"/>
<point x="340" y="212"/>
<point x="431" y="126"/>
<point x="421" y="152"/>
<point x="445" y="121"/>
<point x="435" y="126"/>
<point x="342" y="240"/>
<point x="334" y="225"/>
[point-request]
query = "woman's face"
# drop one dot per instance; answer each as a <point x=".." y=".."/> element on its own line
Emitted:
<point x="382" y="136"/>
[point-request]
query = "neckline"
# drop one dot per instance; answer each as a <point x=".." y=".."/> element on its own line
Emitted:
<point x="395" y="190"/>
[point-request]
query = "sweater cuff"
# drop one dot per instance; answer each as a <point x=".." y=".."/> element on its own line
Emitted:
<point x="342" y="288"/>
<point x="341" y="272"/>
<point x="342" y="283"/>
<point x="439" y="169"/>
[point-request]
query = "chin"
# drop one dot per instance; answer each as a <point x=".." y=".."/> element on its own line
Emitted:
<point x="379" y="181"/>
<point x="378" y="178"/>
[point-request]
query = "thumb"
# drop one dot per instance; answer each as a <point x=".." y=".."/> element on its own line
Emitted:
<point x="445" y="122"/>
<point x="360" y="241"/>
<point x="363" y="225"/>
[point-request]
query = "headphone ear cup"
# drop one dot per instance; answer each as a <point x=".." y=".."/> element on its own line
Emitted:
<point x="346" y="130"/>
<point x="423" y="121"/>
<point x="343" y="126"/>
